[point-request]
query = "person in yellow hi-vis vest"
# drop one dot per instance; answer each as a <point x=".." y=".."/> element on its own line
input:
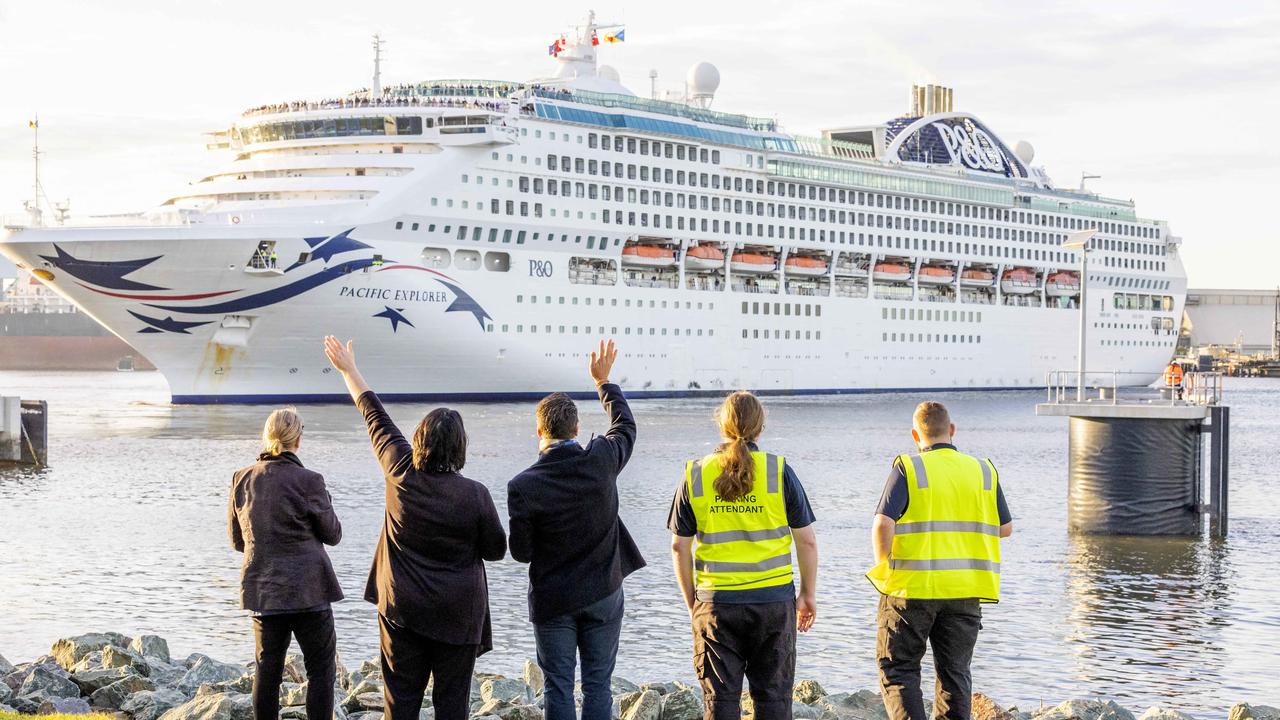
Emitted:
<point x="734" y="520"/>
<point x="936" y="539"/>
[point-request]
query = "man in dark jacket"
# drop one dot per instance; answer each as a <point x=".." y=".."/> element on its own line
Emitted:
<point x="565" y="524"/>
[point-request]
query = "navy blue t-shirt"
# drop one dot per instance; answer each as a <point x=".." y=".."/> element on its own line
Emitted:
<point x="681" y="521"/>
<point x="893" y="502"/>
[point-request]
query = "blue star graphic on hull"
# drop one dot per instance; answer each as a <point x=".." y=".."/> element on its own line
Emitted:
<point x="463" y="302"/>
<point x="395" y="316"/>
<point x="168" y="324"/>
<point x="324" y="248"/>
<point x="102" y="273"/>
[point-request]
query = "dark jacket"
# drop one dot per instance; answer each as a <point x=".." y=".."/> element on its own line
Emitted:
<point x="428" y="571"/>
<point x="564" y="518"/>
<point x="281" y="517"/>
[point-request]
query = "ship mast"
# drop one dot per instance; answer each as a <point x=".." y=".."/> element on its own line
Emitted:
<point x="377" y="65"/>
<point x="33" y="207"/>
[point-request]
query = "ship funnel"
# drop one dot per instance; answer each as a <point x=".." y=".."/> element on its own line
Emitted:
<point x="930" y="99"/>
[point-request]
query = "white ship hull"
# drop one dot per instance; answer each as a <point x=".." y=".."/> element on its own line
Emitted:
<point x="435" y="353"/>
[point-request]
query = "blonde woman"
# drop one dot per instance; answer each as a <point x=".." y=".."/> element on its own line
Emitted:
<point x="733" y="522"/>
<point x="281" y="517"/>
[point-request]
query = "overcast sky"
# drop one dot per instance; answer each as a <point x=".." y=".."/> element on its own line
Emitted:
<point x="1174" y="103"/>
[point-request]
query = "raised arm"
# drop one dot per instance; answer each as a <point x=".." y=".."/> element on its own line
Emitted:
<point x="389" y="445"/>
<point x="621" y="435"/>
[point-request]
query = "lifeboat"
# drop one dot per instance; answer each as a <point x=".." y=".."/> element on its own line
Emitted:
<point x="977" y="278"/>
<point x="648" y="256"/>
<point x="806" y="266"/>
<point x="891" y="272"/>
<point x="752" y="263"/>
<point x="704" y="257"/>
<point x="1062" y="284"/>
<point x="936" y="275"/>
<point x="1019" y="281"/>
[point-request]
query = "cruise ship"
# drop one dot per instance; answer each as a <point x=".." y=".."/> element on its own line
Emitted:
<point x="476" y="237"/>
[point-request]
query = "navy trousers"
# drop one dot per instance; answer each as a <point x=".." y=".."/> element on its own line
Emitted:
<point x="590" y="634"/>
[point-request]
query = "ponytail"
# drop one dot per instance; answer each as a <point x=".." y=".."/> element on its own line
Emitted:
<point x="741" y="419"/>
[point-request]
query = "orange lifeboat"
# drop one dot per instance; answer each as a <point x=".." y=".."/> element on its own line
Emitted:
<point x="977" y="278"/>
<point x="1062" y="284"/>
<point x="648" y="256"/>
<point x="1019" y="281"/>
<point x="936" y="275"/>
<point x="891" y="272"/>
<point x="752" y="262"/>
<point x="806" y="266"/>
<point x="704" y="257"/>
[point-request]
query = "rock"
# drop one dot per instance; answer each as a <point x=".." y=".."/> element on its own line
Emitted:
<point x="69" y="651"/>
<point x="520" y="712"/>
<point x="194" y="658"/>
<point x="533" y="676"/>
<point x="682" y="704"/>
<point x="295" y="670"/>
<point x="292" y="694"/>
<point x="369" y="667"/>
<point x="371" y="701"/>
<point x="114" y="695"/>
<point x="365" y="716"/>
<point x="240" y="685"/>
<point x="7" y="667"/>
<point x="808" y="692"/>
<point x="1085" y="710"/>
<point x="207" y="670"/>
<point x="114" y="657"/>
<point x="349" y="680"/>
<point x="1245" y="711"/>
<point x="42" y="679"/>
<point x="862" y="705"/>
<point x="165" y="674"/>
<point x="1156" y="712"/>
<point x="150" y="705"/>
<point x="64" y="706"/>
<point x="212" y="706"/>
<point x="92" y="661"/>
<point x="984" y="708"/>
<point x="800" y="711"/>
<point x="622" y="686"/>
<point x="92" y="681"/>
<point x="151" y="647"/>
<point x="660" y="688"/>
<point x="509" y="691"/>
<point x="647" y="705"/>
<point x="28" y="704"/>
<point x="5" y="692"/>
<point x="489" y="707"/>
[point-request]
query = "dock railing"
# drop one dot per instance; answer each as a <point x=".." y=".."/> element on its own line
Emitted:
<point x="1198" y="388"/>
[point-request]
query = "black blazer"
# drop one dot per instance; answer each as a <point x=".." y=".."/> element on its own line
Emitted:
<point x="564" y="518"/>
<point x="281" y="517"/>
<point x="428" y="571"/>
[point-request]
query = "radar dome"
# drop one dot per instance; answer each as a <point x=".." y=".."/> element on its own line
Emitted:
<point x="608" y="72"/>
<point x="1025" y="152"/>
<point x="703" y="79"/>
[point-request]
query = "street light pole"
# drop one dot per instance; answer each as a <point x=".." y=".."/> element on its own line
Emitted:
<point x="1079" y="240"/>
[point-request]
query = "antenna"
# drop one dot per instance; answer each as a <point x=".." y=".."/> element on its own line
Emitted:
<point x="378" y="42"/>
<point x="33" y="205"/>
<point x="1085" y="177"/>
<point x="653" y="84"/>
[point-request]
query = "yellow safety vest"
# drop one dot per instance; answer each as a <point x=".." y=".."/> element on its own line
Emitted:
<point x="745" y="544"/>
<point x="947" y="544"/>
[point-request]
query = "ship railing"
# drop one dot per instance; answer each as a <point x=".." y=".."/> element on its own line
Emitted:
<point x="1116" y="387"/>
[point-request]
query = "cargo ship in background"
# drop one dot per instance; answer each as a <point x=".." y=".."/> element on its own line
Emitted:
<point x="39" y="330"/>
<point x="475" y="237"/>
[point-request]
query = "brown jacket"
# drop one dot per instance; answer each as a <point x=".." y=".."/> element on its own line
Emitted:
<point x="428" y="571"/>
<point x="281" y="517"/>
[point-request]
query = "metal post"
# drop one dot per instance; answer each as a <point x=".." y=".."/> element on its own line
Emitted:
<point x="1084" y="314"/>
<point x="1218" y="472"/>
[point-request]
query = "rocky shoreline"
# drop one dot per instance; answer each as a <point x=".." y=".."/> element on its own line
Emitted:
<point x="135" y="678"/>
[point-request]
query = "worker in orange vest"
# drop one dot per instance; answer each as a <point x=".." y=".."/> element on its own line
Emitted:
<point x="1173" y="378"/>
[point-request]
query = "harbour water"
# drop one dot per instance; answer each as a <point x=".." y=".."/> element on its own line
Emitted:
<point x="126" y="531"/>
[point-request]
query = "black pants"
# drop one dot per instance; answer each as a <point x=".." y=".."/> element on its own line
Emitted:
<point x="315" y="635"/>
<point x="757" y="641"/>
<point x="951" y="628"/>
<point x="409" y="660"/>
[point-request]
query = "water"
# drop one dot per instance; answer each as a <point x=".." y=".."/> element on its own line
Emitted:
<point x="127" y="532"/>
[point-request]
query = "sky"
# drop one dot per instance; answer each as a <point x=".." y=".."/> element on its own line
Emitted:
<point x="1173" y="103"/>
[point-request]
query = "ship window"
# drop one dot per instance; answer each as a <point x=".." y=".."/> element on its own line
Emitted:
<point x="466" y="260"/>
<point x="399" y="226"/>
<point x="497" y="261"/>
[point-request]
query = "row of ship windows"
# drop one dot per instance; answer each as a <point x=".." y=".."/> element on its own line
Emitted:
<point x="1131" y="282"/>
<point x="929" y="337"/>
<point x="599" y="330"/>
<point x="587" y="166"/>
<point x="1134" y="343"/>
<point x="675" y="151"/>
<point x="1133" y="301"/>
<point x="783" y="309"/>
<point x="758" y="334"/>
<point x="613" y="302"/>
<point x="930" y="315"/>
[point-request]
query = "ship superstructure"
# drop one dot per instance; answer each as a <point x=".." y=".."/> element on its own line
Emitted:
<point x="475" y="237"/>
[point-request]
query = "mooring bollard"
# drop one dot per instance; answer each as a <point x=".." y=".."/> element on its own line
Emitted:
<point x="1137" y="465"/>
